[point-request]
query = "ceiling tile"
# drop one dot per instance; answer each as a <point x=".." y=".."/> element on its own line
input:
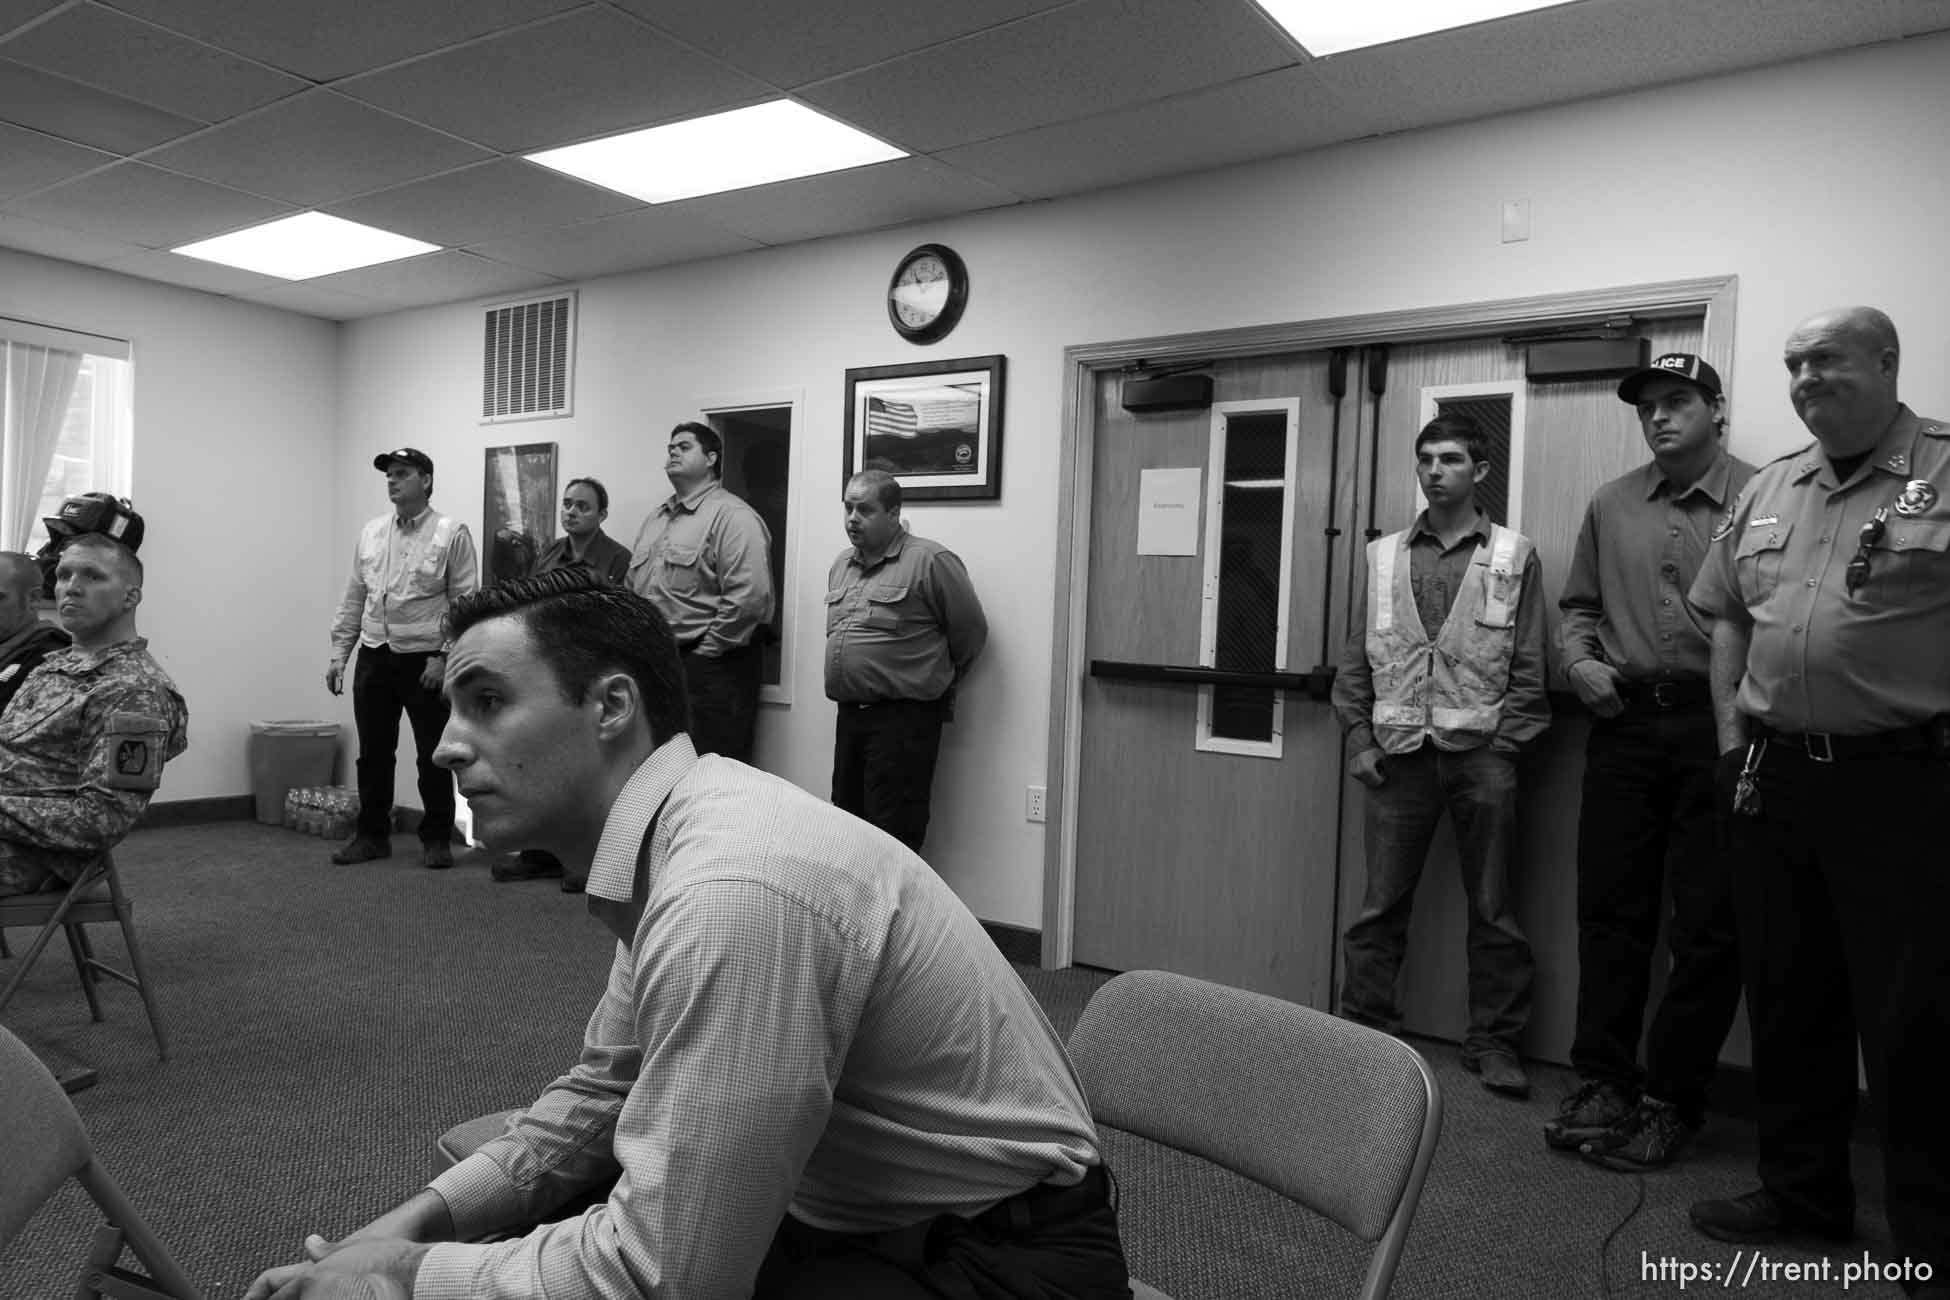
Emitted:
<point x="192" y="272"/>
<point x="311" y="300"/>
<point x="1284" y="111"/>
<point x="1582" y="51"/>
<point x="438" y="277"/>
<point x="303" y="39"/>
<point x="31" y="236"/>
<point x="314" y="148"/>
<point x="477" y="203"/>
<point x="631" y="241"/>
<point x="16" y="13"/>
<point x="864" y="198"/>
<point x="145" y="63"/>
<point x="30" y="160"/>
<point x="142" y="205"/>
<point x="792" y="44"/>
<point x="1087" y="58"/>
<point x="72" y="111"/>
<point x="586" y="74"/>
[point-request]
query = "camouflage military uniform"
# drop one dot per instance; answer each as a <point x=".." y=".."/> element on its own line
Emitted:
<point x="82" y="748"/>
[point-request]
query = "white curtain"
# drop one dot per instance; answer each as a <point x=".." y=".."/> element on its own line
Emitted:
<point x="33" y="406"/>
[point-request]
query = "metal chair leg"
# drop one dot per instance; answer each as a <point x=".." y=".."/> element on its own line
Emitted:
<point x="84" y="967"/>
<point x="125" y="913"/>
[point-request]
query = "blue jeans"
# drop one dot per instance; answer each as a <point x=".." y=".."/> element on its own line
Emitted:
<point x="1478" y="788"/>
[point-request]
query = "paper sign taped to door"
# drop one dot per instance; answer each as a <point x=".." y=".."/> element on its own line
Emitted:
<point x="1168" y="511"/>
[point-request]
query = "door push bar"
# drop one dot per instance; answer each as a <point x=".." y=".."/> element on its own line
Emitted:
<point x="1315" y="684"/>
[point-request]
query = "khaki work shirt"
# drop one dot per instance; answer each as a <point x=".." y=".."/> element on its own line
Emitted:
<point x="705" y="562"/>
<point x="1643" y="541"/>
<point x="1819" y="658"/>
<point x="903" y="628"/>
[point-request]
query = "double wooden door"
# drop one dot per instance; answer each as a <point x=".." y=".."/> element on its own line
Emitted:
<point x="1240" y="861"/>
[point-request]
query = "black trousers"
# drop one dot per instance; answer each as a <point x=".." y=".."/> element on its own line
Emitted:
<point x="1649" y="821"/>
<point x="1048" y="1243"/>
<point x="883" y="764"/>
<point x="1844" y="913"/>
<point x="383" y="683"/>
<point x="723" y="693"/>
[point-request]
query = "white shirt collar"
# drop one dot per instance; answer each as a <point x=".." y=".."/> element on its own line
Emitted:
<point x="612" y="875"/>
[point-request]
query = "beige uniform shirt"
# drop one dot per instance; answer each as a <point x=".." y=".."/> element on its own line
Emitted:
<point x="1821" y="659"/>
<point x="705" y="562"/>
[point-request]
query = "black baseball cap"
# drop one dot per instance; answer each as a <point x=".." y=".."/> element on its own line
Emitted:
<point x="411" y="455"/>
<point x="1673" y="365"/>
<point x="96" y="512"/>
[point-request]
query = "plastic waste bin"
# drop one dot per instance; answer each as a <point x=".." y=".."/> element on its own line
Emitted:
<point x="288" y="754"/>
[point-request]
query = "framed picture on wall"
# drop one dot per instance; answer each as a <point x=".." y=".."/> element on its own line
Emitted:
<point x="934" y="425"/>
<point x="517" y="509"/>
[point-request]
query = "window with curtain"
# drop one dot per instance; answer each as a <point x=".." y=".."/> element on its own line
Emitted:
<point x="65" y="424"/>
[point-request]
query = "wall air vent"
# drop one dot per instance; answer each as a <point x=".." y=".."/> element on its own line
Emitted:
<point x="528" y="360"/>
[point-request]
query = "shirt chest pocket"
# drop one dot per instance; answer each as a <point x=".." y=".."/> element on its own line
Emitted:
<point x="1917" y="555"/>
<point x="1499" y="589"/>
<point x="1757" y="558"/>
<point x="883" y="609"/>
<point x="683" y="570"/>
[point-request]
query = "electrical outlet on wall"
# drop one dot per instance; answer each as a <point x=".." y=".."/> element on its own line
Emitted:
<point x="1516" y="221"/>
<point x="1038" y="804"/>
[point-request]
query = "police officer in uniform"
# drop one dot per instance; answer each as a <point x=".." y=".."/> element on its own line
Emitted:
<point x="1830" y="584"/>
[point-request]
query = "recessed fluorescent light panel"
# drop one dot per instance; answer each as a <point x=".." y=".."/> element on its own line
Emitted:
<point x="1331" y="26"/>
<point x="779" y="141"/>
<point x="308" y="245"/>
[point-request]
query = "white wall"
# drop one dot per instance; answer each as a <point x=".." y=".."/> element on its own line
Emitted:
<point x="235" y="446"/>
<point x="1817" y="183"/>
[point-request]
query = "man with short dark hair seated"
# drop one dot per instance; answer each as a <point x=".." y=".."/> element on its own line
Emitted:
<point x="24" y="639"/>
<point x="811" y="1073"/>
<point x="83" y="743"/>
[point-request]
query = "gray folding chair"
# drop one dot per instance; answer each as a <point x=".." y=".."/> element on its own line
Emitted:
<point x="95" y="897"/>
<point x="1335" y="1117"/>
<point x="42" y="1145"/>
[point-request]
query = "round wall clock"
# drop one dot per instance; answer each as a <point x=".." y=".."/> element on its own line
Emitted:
<point x="926" y="296"/>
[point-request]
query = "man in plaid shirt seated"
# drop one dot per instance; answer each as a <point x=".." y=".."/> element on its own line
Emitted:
<point x="811" y="1073"/>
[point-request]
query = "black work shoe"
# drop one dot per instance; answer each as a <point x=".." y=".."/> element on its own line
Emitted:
<point x="1761" y="1216"/>
<point x="1597" y="1107"/>
<point x="437" y="856"/>
<point x="528" y="865"/>
<point x="574" y="884"/>
<point x="1648" y="1138"/>
<point x="361" y="848"/>
<point x="1502" y="1072"/>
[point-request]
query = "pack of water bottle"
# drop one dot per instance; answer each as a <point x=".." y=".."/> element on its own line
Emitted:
<point x="331" y="811"/>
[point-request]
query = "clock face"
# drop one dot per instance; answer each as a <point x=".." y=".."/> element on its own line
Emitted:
<point x="921" y="290"/>
<point x="926" y="296"/>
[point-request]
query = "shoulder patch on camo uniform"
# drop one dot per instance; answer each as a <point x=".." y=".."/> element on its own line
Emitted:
<point x="135" y="744"/>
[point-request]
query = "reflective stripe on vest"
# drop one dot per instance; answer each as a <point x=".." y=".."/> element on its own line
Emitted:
<point x="1422" y="694"/>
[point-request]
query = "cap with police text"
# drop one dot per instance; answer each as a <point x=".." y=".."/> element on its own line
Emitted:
<point x="1673" y="365"/>
<point x="96" y="512"/>
<point x="411" y="455"/>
